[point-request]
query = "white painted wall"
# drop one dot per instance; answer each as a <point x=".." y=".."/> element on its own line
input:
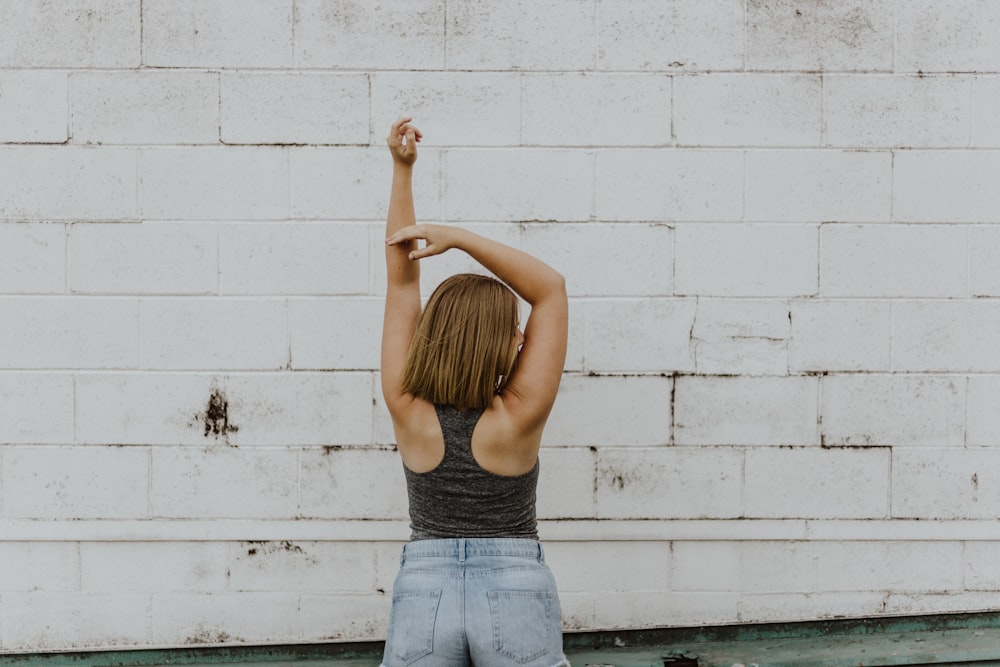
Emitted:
<point x="780" y="226"/>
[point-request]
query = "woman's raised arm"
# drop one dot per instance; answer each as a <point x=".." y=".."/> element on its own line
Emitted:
<point x="402" y="297"/>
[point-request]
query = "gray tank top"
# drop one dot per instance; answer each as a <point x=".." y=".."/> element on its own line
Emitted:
<point x="459" y="498"/>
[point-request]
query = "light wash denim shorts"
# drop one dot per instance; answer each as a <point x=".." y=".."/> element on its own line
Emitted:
<point x="488" y="602"/>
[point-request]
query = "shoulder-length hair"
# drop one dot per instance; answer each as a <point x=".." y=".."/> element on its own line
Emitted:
<point x="464" y="349"/>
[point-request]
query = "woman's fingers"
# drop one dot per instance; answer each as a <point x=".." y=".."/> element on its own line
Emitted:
<point x="407" y="234"/>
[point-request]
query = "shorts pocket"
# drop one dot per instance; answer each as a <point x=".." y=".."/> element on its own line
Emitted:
<point x="521" y="623"/>
<point x="411" y="625"/>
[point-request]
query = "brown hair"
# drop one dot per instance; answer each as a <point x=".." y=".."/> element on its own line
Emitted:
<point x="465" y="346"/>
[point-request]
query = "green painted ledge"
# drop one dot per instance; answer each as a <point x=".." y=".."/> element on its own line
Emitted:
<point x="944" y="639"/>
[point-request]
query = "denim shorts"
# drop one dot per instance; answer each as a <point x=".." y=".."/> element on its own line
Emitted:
<point x="489" y="602"/>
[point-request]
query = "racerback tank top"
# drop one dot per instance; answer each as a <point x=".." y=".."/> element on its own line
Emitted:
<point x="459" y="498"/>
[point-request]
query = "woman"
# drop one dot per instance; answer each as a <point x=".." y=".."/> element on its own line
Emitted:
<point x="469" y="395"/>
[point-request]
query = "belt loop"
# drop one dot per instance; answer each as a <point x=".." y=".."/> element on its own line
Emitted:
<point x="461" y="550"/>
<point x="541" y="553"/>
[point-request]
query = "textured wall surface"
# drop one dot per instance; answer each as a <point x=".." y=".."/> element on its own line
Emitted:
<point x="780" y="225"/>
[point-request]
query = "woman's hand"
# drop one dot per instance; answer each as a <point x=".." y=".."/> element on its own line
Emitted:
<point x="402" y="141"/>
<point x="437" y="239"/>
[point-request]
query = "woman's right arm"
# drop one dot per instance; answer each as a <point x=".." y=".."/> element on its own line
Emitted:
<point x="532" y="390"/>
<point x="402" y="296"/>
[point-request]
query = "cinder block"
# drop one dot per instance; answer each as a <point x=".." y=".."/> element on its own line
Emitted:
<point x="648" y="335"/>
<point x="748" y="109"/>
<point x="32" y="258"/>
<point x="781" y="607"/>
<point x="721" y="320"/>
<point x="745" y="411"/>
<point x="69" y="332"/>
<point x="894" y="260"/>
<point x="684" y="35"/>
<point x="34" y="105"/>
<point x="669" y="184"/>
<point x="643" y="609"/>
<point x="39" y="566"/>
<point x="634" y="259"/>
<point x="326" y="618"/>
<point x="894" y="410"/>
<point x="851" y="35"/>
<point x="450" y="108"/>
<point x="387" y="557"/>
<point x="985" y="98"/>
<point x="566" y="483"/>
<point x="583" y="566"/>
<point x="162" y="567"/>
<point x="223" y="183"/>
<point x="216" y="483"/>
<point x="215" y="334"/>
<point x="181" y="619"/>
<point x="534" y="184"/>
<point x="946" y="336"/>
<point x="818" y="185"/>
<point x="889" y="110"/>
<point x="523" y="34"/>
<point x="144" y="107"/>
<point x="669" y="483"/>
<point x="706" y="566"/>
<point x="78" y="33"/>
<point x="829" y="567"/>
<point x="590" y="109"/>
<point x="146" y="258"/>
<point x="353" y="34"/>
<point x="741" y="260"/>
<point x="285" y="258"/>
<point x="349" y="183"/>
<point x="980" y="560"/>
<point x="939" y="603"/>
<point x="755" y="356"/>
<point x="286" y="409"/>
<point x="62" y="183"/>
<point x="984" y="272"/>
<point x="947" y="37"/>
<point x="29" y="621"/>
<point x="937" y="483"/>
<point x="36" y="408"/>
<point x="283" y="566"/>
<point x="189" y="33"/>
<point x="741" y="336"/>
<point x="816" y="483"/>
<point x="982" y="420"/>
<point x="294" y="108"/>
<point x="339" y="484"/>
<point x="847" y="335"/>
<point x="598" y="411"/>
<point x="75" y="483"/>
<point x="577" y="610"/>
<point x="946" y="186"/>
<point x="335" y="333"/>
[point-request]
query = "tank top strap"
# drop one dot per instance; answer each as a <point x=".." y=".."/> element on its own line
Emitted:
<point x="457" y="427"/>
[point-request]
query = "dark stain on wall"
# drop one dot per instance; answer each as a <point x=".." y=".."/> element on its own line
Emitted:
<point x="215" y="418"/>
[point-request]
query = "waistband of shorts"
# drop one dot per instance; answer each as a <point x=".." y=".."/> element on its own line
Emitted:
<point x="461" y="547"/>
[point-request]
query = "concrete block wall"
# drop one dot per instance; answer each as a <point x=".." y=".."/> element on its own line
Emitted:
<point x="779" y="223"/>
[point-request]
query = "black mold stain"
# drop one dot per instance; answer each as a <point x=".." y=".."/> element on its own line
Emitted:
<point x="265" y="548"/>
<point x="211" y="637"/>
<point x="215" y="418"/>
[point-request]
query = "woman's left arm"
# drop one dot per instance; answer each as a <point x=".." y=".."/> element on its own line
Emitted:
<point x="402" y="297"/>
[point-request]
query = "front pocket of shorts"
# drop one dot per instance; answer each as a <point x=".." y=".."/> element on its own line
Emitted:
<point x="521" y="621"/>
<point x="411" y="624"/>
